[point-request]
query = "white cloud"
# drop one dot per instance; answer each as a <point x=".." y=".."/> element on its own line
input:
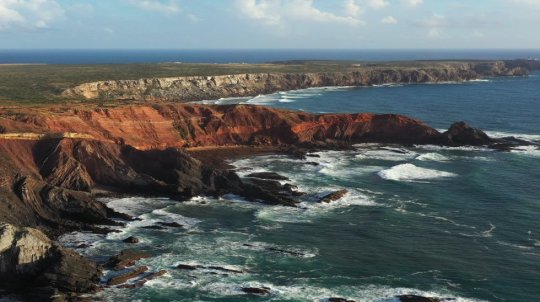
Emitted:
<point x="352" y="8"/>
<point x="29" y="14"/>
<point x="278" y="12"/>
<point x="413" y="3"/>
<point x="376" y="4"/>
<point x="389" y="20"/>
<point x="264" y="10"/>
<point x="434" y="24"/>
<point x="169" y="7"/>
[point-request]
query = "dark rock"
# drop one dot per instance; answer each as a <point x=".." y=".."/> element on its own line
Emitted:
<point x="268" y="191"/>
<point x="338" y="299"/>
<point x="131" y="239"/>
<point x="29" y="259"/>
<point x="268" y="175"/>
<point x="282" y="251"/>
<point x="145" y="279"/>
<point x="461" y="134"/>
<point x="313" y="155"/>
<point x="312" y="163"/>
<point x="415" y="298"/>
<point x="256" y="290"/>
<point x="218" y="268"/>
<point x="126" y="276"/>
<point x="333" y="196"/>
<point x="126" y="258"/>
<point x="187" y="267"/>
<point x="170" y="224"/>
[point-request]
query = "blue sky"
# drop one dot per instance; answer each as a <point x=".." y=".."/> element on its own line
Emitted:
<point x="269" y="24"/>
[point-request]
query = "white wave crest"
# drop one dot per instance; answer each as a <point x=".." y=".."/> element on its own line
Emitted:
<point x="533" y="151"/>
<point x="523" y="136"/>
<point x="432" y="157"/>
<point x="410" y="172"/>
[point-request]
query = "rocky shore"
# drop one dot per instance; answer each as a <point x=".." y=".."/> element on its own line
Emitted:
<point x="55" y="161"/>
<point x="186" y="89"/>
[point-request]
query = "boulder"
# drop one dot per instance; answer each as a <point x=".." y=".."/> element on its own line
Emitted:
<point x="126" y="258"/>
<point x="128" y="275"/>
<point x="170" y="224"/>
<point x="416" y="298"/>
<point x="256" y="290"/>
<point x="328" y="198"/>
<point x="338" y="299"/>
<point x="461" y="134"/>
<point x="29" y="259"/>
<point x="131" y="239"/>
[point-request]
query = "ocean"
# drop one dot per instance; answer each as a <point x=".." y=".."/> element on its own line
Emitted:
<point x="460" y="223"/>
<point x="100" y="56"/>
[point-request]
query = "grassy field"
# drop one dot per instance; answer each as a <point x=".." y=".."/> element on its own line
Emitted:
<point x="33" y="85"/>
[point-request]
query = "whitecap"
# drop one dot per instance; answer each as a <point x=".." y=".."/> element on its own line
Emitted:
<point x="135" y="206"/>
<point x="410" y="172"/>
<point x="286" y="100"/>
<point x="432" y="157"/>
<point x="386" y="153"/>
<point x="533" y="151"/>
<point x="523" y="136"/>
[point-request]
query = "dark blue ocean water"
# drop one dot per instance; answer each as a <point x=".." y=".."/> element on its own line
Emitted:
<point x="248" y="55"/>
<point x="460" y="223"/>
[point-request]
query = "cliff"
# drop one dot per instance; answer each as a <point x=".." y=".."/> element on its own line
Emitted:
<point x="53" y="162"/>
<point x="186" y="89"/>
<point x="33" y="265"/>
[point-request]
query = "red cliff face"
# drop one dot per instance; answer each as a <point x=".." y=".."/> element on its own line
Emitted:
<point x="52" y="161"/>
<point x="163" y="126"/>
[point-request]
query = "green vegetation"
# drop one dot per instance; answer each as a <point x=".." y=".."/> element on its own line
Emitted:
<point x="33" y="85"/>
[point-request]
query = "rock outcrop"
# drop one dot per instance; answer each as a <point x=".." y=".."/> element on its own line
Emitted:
<point x="31" y="262"/>
<point x="186" y="89"/>
<point x="48" y="179"/>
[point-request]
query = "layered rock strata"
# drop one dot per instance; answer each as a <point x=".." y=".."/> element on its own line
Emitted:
<point x="54" y="162"/>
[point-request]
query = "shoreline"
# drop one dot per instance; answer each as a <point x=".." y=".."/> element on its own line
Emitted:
<point x="138" y="149"/>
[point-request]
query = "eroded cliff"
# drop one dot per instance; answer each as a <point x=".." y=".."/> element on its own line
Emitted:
<point x="53" y="162"/>
<point x="186" y="89"/>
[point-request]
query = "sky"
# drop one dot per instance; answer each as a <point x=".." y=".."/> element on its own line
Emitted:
<point x="230" y="24"/>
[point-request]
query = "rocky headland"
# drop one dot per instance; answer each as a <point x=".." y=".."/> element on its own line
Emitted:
<point x="55" y="161"/>
<point x="186" y="89"/>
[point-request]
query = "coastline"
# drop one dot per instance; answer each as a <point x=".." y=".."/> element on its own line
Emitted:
<point x="196" y="88"/>
<point x="128" y="151"/>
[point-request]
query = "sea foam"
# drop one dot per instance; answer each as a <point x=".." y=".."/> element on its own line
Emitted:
<point x="410" y="172"/>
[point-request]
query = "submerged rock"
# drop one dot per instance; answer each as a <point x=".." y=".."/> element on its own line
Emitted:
<point x="128" y="275"/>
<point x="131" y="239"/>
<point x="126" y="258"/>
<point x="268" y="175"/>
<point x="187" y="267"/>
<point x="269" y="191"/>
<point x="328" y="198"/>
<point x="338" y="299"/>
<point x="170" y="224"/>
<point x="416" y="298"/>
<point x="256" y="290"/>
